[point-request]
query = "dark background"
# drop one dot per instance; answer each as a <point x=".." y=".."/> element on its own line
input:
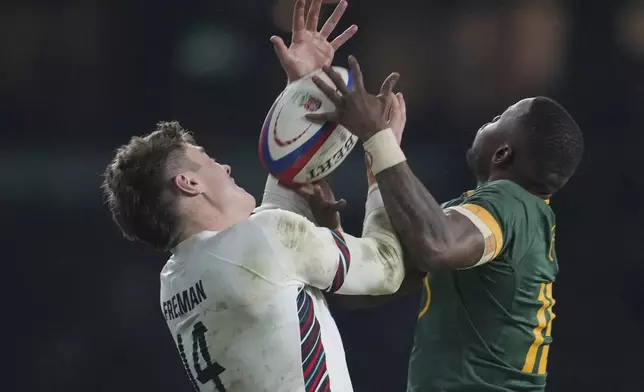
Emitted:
<point x="79" y="78"/>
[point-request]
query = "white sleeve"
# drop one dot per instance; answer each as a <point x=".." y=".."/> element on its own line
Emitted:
<point x="335" y="261"/>
<point x="278" y="196"/>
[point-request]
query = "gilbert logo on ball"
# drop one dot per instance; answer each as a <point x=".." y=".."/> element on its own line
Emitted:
<point x="296" y="150"/>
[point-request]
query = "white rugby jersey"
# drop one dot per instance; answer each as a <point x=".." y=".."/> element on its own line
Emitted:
<point x="245" y="305"/>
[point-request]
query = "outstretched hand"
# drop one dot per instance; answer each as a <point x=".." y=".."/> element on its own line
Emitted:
<point x="363" y="114"/>
<point x="310" y="49"/>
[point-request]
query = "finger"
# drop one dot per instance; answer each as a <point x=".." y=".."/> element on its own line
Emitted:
<point x="298" y="16"/>
<point x="322" y="118"/>
<point x="317" y="192"/>
<point x="340" y="204"/>
<point x="280" y="48"/>
<point x="389" y="83"/>
<point x="305" y="190"/>
<point x="394" y="110"/>
<point x="388" y="106"/>
<point x="333" y="20"/>
<point x="402" y="104"/>
<point x="358" y="81"/>
<point x="344" y="37"/>
<point x="313" y="18"/>
<point x="329" y="91"/>
<point x="395" y="105"/>
<point x="324" y="186"/>
<point x="321" y="182"/>
<point x="336" y="79"/>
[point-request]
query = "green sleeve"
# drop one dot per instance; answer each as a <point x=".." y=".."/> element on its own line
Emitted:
<point x="499" y="206"/>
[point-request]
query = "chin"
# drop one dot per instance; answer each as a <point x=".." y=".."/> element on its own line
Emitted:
<point x="474" y="162"/>
<point x="249" y="202"/>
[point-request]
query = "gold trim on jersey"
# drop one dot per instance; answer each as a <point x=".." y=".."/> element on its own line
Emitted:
<point x="467" y="194"/>
<point x="547" y="302"/>
<point x="538" y="336"/>
<point x="491" y="223"/>
<point x="429" y="297"/>
<point x="544" y="352"/>
<point x="552" y="243"/>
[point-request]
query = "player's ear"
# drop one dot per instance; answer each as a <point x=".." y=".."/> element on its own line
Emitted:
<point x="503" y="155"/>
<point x="188" y="183"/>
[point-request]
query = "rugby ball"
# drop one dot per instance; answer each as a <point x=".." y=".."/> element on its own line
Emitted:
<point x="296" y="150"/>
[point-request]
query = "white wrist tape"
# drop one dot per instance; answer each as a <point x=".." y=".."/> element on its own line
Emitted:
<point x="383" y="151"/>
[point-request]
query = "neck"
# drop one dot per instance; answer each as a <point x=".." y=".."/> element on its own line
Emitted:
<point x="200" y="219"/>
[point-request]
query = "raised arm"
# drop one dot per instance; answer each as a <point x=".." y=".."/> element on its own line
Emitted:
<point x="277" y="196"/>
<point x="432" y="237"/>
<point x="335" y="261"/>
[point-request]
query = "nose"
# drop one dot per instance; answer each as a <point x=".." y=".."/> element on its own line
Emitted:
<point x="227" y="168"/>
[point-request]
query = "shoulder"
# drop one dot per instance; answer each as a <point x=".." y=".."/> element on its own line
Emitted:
<point x="507" y="190"/>
<point x="257" y="233"/>
<point x="507" y="198"/>
<point x="501" y="197"/>
<point x="285" y="229"/>
<point x="453" y="202"/>
<point x="505" y="187"/>
<point x="278" y="220"/>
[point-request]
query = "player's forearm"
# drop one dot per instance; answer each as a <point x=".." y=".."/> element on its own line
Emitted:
<point x="377" y="262"/>
<point x="383" y="251"/>
<point x="368" y="265"/>
<point x="278" y="196"/>
<point x="411" y="283"/>
<point x="417" y="218"/>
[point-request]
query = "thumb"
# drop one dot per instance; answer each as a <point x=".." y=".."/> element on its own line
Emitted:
<point x="280" y="48"/>
<point x="402" y="104"/>
<point x="340" y="205"/>
<point x="395" y="107"/>
<point x="317" y="192"/>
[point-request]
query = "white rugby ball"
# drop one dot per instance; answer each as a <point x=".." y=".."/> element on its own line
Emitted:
<point x="296" y="150"/>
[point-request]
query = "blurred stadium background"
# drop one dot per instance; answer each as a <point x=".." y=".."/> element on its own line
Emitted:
<point x="78" y="78"/>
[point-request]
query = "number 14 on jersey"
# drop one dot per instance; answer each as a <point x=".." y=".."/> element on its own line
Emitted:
<point x="211" y="371"/>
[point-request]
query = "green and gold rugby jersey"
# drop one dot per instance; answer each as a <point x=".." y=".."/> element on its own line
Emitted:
<point x="488" y="328"/>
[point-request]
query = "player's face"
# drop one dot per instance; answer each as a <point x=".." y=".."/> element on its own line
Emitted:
<point x="479" y="156"/>
<point x="491" y="137"/>
<point x="219" y="185"/>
